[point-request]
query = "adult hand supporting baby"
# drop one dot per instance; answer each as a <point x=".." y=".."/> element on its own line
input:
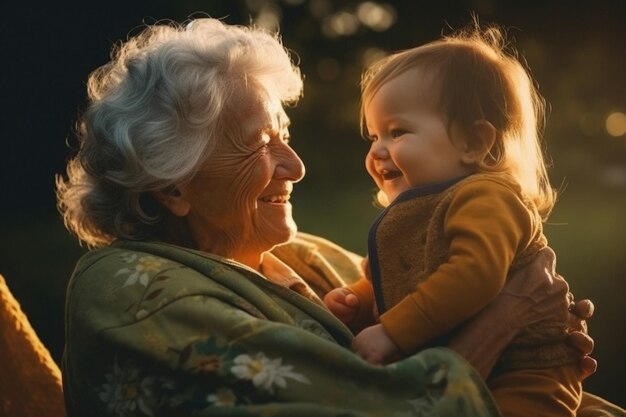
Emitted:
<point x="532" y="294"/>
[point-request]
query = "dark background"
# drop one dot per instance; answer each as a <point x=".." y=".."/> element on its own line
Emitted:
<point x="576" y="50"/>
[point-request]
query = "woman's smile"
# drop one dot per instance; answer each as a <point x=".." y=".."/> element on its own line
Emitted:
<point x="276" y="199"/>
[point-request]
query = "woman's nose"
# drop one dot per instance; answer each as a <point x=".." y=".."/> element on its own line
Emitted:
<point x="289" y="165"/>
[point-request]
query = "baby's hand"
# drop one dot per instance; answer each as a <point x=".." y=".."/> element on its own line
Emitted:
<point x="342" y="303"/>
<point x="375" y="346"/>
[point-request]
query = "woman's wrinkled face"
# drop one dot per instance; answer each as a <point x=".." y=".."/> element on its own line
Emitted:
<point x="239" y="201"/>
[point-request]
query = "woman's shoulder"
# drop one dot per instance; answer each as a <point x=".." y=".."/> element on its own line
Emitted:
<point x="130" y="266"/>
<point x="117" y="276"/>
<point x="320" y="262"/>
<point x="326" y="247"/>
<point x="139" y="262"/>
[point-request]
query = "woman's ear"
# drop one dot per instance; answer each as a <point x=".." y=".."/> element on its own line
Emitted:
<point x="481" y="138"/>
<point x="174" y="200"/>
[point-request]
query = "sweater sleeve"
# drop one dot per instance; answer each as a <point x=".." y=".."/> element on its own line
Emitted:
<point x="486" y="224"/>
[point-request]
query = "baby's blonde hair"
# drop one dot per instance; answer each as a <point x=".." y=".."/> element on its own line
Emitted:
<point x="479" y="77"/>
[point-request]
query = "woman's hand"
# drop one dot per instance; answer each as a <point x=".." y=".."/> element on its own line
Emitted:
<point x="343" y="304"/>
<point x="577" y="326"/>
<point x="375" y="346"/>
<point x="532" y="294"/>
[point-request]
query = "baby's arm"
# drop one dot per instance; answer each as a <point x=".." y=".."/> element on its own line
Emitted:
<point x="486" y="224"/>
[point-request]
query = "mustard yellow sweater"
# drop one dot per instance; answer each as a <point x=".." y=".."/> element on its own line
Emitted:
<point x="440" y="253"/>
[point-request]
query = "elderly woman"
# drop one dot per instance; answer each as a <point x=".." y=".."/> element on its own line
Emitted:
<point x="199" y="297"/>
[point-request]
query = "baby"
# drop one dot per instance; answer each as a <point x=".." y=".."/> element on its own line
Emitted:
<point x="456" y="155"/>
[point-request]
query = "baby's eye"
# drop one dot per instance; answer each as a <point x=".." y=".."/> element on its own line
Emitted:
<point x="396" y="133"/>
<point x="371" y="138"/>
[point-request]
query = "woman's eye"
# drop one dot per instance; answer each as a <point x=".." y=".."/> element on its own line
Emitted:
<point x="264" y="141"/>
<point x="262" y="146"/>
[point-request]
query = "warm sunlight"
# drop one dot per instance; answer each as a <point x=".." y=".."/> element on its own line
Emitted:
<point x="77" y="94"/>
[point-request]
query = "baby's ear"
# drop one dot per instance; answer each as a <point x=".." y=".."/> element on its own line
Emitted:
<point x="481" y="138"/>
<point x="174" y="200"/>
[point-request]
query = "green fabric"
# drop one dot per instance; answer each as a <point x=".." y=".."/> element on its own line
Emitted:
<point x="159" y="330"/>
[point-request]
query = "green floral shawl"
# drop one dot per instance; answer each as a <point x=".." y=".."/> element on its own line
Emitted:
<point x="159" y="330"/>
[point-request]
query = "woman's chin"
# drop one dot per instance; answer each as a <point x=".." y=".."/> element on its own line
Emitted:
<point x="283" y="234"/>
<point x="274" y="230"/>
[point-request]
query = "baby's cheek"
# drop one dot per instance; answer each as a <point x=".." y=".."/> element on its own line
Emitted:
<point x="369" y="165"/>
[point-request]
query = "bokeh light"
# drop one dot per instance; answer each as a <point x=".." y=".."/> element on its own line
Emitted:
<point x="340" y="24"/>
<point x="376" y="16"/>
<point x="269" y="17"/>
<point x="371" y="55"/>
<point x="616" y="124"/>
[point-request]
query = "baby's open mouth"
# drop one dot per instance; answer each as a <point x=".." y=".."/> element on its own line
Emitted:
<point x="390" y="175"/>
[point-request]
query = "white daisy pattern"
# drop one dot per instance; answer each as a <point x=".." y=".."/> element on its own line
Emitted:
<point x="264" y="372"/>
<point x="141" y="273"/>
<point x="125" y="393"/>
<point x="128" y="257"/>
